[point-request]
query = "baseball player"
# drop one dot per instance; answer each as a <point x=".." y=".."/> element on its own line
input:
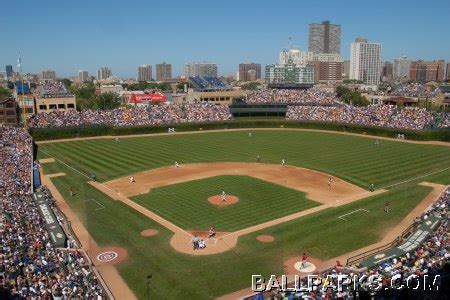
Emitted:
<point x="283" y="162"/>
<point x="386" y="207"/>
<point x="132" y="179"/>
<point x="177" y="165"/>
<point x="258" y="158"/>
<point x="224" y="196"/>
<point x="304" y="258"/>
<point x="117" y="139"/>
<point x="330" y="181"/>
<point x="249" y="134"/>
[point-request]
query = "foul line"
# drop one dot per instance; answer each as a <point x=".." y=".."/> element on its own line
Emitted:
<point x="342" y="216"/>
<point x="79" y="172"/>
<point x="415" y="178"/>
<point x="99" y="204"/>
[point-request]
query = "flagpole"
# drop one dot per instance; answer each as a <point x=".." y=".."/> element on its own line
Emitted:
<point x="24" y="119"/>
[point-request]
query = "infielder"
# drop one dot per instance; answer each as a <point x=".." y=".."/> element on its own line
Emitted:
<point x="132" y="179"/>
<point x="330" y="181"/>
<point x="283" y="162"/>
<point x="177" y="165"/>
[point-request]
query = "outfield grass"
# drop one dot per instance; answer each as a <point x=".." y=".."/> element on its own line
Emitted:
<point x="186" y="204"/>
<point x="322" y="234"/>
<point x="352" y="158"/>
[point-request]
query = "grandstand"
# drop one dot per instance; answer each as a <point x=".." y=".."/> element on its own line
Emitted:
<point x="208" y="83"/>
<point x="53" y="90"/>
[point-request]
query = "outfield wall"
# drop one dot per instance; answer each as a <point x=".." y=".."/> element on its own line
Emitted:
<point x="41" y="134"/>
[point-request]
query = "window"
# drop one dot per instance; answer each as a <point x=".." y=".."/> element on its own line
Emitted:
<point x="61" y="106"/>
<point x="52" y="106"/>
<point x="29" y="110"/>
<point x="70" y="105"/>
<point x="43" y="107"/>
<point x="10" y="113"/>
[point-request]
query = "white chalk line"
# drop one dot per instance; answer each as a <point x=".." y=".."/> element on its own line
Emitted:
<point x="101" y="206"/>
<point x="352" y="212"/>
<point x="415" y="178"/>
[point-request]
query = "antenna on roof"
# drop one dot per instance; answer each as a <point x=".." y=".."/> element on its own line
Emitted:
<point x="290" y="43"/>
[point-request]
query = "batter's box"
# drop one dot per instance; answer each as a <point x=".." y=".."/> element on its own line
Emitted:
<point x="98" y="205"/>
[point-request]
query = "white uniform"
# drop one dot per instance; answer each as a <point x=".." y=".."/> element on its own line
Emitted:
<point x="131" y="179"/>
<point x="283" y="162"/>
<point x="224" y="196"/>
<point x="177" y="165"/>
<point x="249" y="134"/>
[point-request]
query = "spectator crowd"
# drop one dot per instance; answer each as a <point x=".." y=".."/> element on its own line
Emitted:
<point x="414" y="90"/>
<point x="313" y="96"/>
<point x="30" y="266"/>
<point x="372" y="115"/>
<point x="135" y="116"/>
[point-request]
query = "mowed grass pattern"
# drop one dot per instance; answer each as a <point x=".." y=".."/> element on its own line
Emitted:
<point x="352" y="158"/>
<point x="321" y="234"/>
<point x="186" y="204"/>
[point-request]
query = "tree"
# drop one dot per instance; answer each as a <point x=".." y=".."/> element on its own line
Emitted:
<point x="108" y="101"/>
<point x="348" y="96"/>
<point x="251" y="86"/>
<point x="4" y="93"/>
<point x="66" y="82"/>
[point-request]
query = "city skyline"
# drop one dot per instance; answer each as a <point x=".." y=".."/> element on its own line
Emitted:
<point x="111" y="45"/>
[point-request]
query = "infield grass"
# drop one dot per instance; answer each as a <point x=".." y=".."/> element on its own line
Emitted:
<point x="186" y="204"/>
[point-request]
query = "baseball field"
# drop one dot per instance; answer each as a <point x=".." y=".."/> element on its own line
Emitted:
<point x="280" y="212"/>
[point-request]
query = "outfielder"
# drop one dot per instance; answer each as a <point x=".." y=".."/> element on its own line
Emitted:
<point x="283" y="162"/>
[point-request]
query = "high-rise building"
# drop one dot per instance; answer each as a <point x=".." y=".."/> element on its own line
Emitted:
<point x="328" y="68"/>
<point x="48" y="75"/>
<point x="145" y="73"/>
<point x="425" y="71"/>
<point x="9" y="71"/>
<point x="448" y="71"/>
<point x="402" y="66"/>
<point x="324" y="38"/>
<point x="83" y="76"/>
<point x="298" y="57"/>
<point x="163" y="71"/>
<point x="387" y="71"/>
<point x="104" y="73"/>
<point x="346" y="69"/>
<point x="249" y="72"/>
<point x="365" y="61"/>
<point x="200" y="69"/>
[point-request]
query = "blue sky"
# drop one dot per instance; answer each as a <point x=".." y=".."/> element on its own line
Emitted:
<point x="70" y="35"/>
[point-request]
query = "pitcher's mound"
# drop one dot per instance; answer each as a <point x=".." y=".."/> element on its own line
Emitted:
<point x="149" y="232"/>
<point x="217" y="200"/>
<point x="265" y="238"/>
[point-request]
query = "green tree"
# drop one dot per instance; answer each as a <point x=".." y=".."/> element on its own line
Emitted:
<point x="349" y="96"/>
<point x="4" y="92"/>
<point x="108" y="101"/>
<point x="66" y="82"/>
<point x="251" y="86"/>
